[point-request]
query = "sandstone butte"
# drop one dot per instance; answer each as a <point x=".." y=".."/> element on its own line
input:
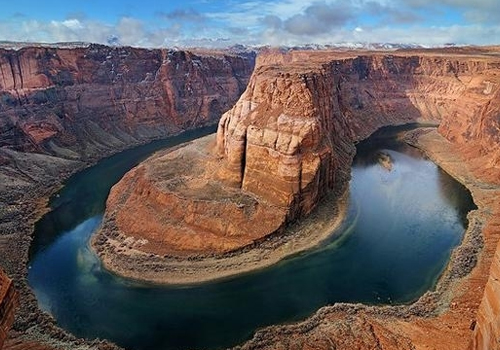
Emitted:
<point x="288" y="142"/>
<point x="285" y="145"/>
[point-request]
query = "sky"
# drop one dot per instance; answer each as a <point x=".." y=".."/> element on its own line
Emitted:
<point x="218" y="23"/>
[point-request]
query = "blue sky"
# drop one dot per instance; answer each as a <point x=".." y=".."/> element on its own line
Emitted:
<point x="154" y="23"/>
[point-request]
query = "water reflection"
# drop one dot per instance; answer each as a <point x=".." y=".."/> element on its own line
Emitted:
<point x="401" y="227"/>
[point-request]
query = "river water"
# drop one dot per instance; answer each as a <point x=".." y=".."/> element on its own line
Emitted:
<point x="405" y="217"/>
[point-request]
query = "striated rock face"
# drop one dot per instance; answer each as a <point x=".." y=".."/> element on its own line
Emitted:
<point x="64" y="108"/>
<point x="180" y="208"/>
<point x="79" y="102"/>
<point x="285" y="138"/>
<point x="288" y="141"/>
<point x="8" y="303"/>
<point x="487" y="327"/>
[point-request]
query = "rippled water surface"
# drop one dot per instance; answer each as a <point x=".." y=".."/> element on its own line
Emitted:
<point x="405" y="217"/>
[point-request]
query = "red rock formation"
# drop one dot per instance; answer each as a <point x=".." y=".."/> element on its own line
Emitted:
<point x="284" y="137"/>
<point x="80" y="102"/>
<point x="204" y="216"/>
<point x="288" y="141"/>
<point x="8" y="303"/>
<point x="285" y="143"/>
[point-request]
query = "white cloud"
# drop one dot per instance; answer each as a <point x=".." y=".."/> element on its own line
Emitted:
<point x="281" y="22"/>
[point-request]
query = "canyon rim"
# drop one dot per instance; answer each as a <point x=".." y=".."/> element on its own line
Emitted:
<point x="281" y="146"/>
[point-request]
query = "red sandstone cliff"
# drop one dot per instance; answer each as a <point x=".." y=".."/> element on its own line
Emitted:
<point x="77" y="103"/>
<point x="288" y="141"/>
<point x="285" y="140"/>
<point x="8" y="302"/>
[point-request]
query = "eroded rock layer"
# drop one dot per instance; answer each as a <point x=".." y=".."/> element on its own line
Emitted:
<point x="8" y="302"/>
<point x="180" y="208"/>
<point x="78" y="102"/>
<point x="288" y="140"/>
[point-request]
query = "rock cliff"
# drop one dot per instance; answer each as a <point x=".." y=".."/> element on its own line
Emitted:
<point x="62" y="109"/>
<point x="289" y="141"/>
<point x="8" y="303"/>
<point x="283" y="138"/>
<point x="80" y="102"/>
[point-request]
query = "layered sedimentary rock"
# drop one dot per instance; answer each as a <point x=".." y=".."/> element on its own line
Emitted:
<point x="290" y="134"/>
<point x="288" y="140"/>
<point x="182" y="209"/>
<point x="8" y="303"/>
<point x="63" y="108"/>
<point x="79" y="102"/>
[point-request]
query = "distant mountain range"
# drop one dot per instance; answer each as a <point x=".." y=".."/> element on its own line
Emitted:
<point x="239" y="48"/>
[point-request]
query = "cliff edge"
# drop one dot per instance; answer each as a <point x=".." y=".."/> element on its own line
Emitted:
<point x="285" y="145"/>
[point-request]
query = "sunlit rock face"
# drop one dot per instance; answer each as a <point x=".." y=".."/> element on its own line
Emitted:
<point x="289" y="140"/>
<point x="79" y="102"/>
<point x="285" y="138"/>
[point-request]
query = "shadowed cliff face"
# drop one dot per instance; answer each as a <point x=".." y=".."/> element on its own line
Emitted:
<point x="77" y="103"/>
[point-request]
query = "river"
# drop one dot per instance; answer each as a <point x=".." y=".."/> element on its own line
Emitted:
<point x="405" y="217"/>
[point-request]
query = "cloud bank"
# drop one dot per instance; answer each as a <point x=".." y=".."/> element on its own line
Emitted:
<point x="279" y="22"/>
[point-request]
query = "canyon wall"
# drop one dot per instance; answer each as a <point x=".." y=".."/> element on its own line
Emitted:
<point x="62" y="109"/>
<point x="77" y="103"/>
<point x="285" y="141"/>
<point x="288" y="142"/>
<point x="8" y="303"/>
<point x="62" y="106"/>
<point x="288" y="137"/>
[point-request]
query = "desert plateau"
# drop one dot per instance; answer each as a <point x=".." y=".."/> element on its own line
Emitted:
<point x="260" y="196"/>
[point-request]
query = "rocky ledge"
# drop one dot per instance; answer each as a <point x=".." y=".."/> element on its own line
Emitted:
<point x="284" y="146"/>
